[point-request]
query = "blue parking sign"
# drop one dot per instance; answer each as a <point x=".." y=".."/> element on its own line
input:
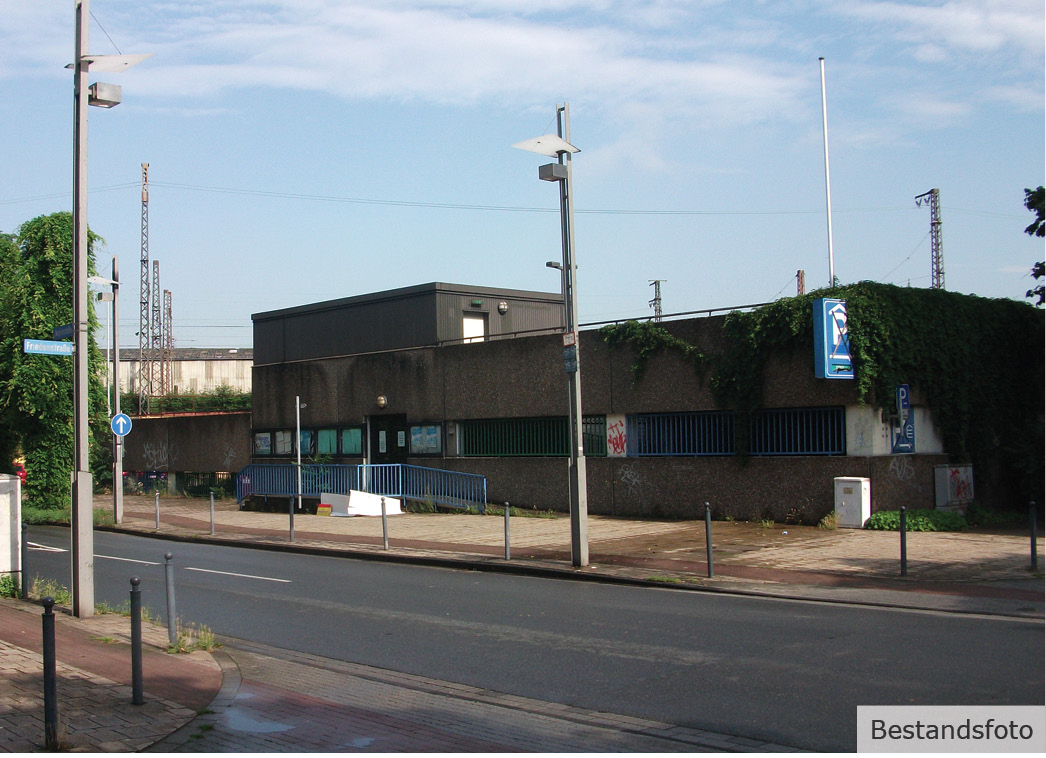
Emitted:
<point x="831" y="340"/>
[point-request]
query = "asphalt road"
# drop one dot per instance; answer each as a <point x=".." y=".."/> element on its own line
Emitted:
<point x="783" y="671"/>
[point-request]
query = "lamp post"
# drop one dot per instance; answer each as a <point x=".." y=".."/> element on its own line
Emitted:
<point x="298" y="405"/>
<point x="114" y="298"/>
<point x="105" y="96"/>
<point x="558" y="146"/>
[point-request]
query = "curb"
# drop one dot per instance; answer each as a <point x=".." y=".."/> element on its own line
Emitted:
<point x="493" y="565"/>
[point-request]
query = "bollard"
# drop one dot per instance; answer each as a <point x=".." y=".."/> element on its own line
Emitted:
<point x="384" y="525"/>
<point x="904" y="541"/>
<point x="137" y="696"/>
<point x="172" y="620"/>
<point x="1033" y="518"/>
<point x="157" y="510"/>
<point x="212" y="513"/>
<point x="708" y="540"/>
<point x="24" y="561"/>
<point x="290" y="510"/>
<point x="507" y="551"/>
<point x="50" y="678"/>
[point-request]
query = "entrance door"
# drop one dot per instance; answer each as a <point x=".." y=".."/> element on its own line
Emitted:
<point x="389" y="439"/>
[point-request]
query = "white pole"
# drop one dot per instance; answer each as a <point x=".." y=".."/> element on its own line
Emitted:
<point x="117" y="441"/>
<point x="82" y="511"/>
<point x="297" y="444"/>
<point x="827" y="180"/>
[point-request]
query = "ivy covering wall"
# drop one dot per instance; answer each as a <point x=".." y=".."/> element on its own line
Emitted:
<point x="976" y="362"/>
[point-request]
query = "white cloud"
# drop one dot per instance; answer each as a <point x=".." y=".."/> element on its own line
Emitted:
<point x="982" y="26"/>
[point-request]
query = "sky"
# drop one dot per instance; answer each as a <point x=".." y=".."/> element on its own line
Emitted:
<point x="308" y="150"/>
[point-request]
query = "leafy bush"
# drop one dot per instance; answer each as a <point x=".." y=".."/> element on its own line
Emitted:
<point x="9" y="585"/>
<point x="979" y="515"/>
<point x="920" y="520"/>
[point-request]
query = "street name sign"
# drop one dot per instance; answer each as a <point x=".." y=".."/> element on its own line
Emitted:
<point x="48" y="347"/>
<point x="64" y="332"/>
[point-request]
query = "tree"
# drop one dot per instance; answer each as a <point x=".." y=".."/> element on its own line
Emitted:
<point x="36" y="391"/>
<point x="1034" y="201"/>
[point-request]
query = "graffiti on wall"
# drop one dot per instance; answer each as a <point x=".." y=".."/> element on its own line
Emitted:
<point x="901" y="467"/>
<point x="157" y="456"/>
<point x="617" y="436"/>
<point x="632" y="480"/>
<point x="960" y="484"/>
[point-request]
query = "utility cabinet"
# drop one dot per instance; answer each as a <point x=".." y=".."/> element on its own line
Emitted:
<point x="853" y="501"/>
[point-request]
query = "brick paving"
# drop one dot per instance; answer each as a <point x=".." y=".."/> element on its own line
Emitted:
<point x="247" y="698"/>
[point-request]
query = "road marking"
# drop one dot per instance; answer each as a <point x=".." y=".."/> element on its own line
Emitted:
<point x="128" y="560"/>
<point x="46" y="548"/>
<point x="244" y="576"/>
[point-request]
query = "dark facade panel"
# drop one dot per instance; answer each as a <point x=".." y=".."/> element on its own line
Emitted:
<point x="424" y="315"/>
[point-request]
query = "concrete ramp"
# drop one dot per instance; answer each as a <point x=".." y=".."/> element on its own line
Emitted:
<point x="358" y="503"/>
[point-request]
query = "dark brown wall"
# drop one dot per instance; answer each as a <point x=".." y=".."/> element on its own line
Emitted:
<point x="206" y="442"/>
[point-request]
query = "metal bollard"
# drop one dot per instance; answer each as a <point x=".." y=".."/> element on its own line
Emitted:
<point x="212" y="513"/>
<point x="904" y="541"/>
<point x="137" y="694"/>
<point x="24" y="561"/>
<point x="708" y="540"/>
<point x="507" y="550"/>
<point x="172" y="619"/>
<point x="384" y="525"/>
<point x="50" y="678"/>
<point x="157" y="510"/>
<point x="1033" y="518"/>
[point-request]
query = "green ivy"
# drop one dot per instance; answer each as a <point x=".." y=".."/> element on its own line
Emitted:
<point x="976" y="362"/>
<point x="647" y="338"/>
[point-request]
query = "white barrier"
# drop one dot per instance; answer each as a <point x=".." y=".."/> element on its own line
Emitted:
<point x="358" y="503"/>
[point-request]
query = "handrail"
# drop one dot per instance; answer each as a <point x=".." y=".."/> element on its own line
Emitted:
<point x="453" y="489"/>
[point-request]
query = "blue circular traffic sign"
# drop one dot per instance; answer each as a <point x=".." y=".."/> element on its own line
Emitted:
<point x="120" y="424"/>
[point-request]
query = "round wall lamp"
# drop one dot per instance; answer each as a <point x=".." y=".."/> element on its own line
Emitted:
<point x="382" y="401"/>
<point x="502" y="307"/>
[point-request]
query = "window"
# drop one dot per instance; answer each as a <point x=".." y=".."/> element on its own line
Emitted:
<point x="426" y="439"/>
<point x="284" y="442"/>
<point x="352" y="441"/>
<point x="698" y="433"/>
<point x="530" y="437"/>
<point x="327" y="442"/>
<point x="798" y="431"/>
<point x="263" y="443"/>
<point x="308" y="441"/>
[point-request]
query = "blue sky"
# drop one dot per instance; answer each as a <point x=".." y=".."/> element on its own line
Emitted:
<point x="305" y="150"/>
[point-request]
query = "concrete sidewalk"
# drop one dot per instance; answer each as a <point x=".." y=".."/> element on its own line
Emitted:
<point x="249" y="698"/>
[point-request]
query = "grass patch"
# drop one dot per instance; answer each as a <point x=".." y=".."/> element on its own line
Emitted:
<point x="42" y="588"/>
<point x="60" y="516"/>
<point x="192" y="638"/>
<point x="830" y="521"/>
<point x="918" y="520"/>
<point x="106" y="640"/>
<point x="665" y="579"/>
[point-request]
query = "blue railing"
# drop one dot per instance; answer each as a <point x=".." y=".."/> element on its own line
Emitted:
<point x="453" y="489"/>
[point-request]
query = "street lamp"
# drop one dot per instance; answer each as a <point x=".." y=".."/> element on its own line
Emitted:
<point x="106" y="96"/>
<point x="298" y="405"/>
<point x="114" y="298"/>
<point x="558" y="146"/>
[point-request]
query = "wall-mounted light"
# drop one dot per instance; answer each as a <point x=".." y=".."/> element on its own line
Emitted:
<point x="382" y="401"/>
<point x="104" y="95"/>
<point x="502" y="307"/>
